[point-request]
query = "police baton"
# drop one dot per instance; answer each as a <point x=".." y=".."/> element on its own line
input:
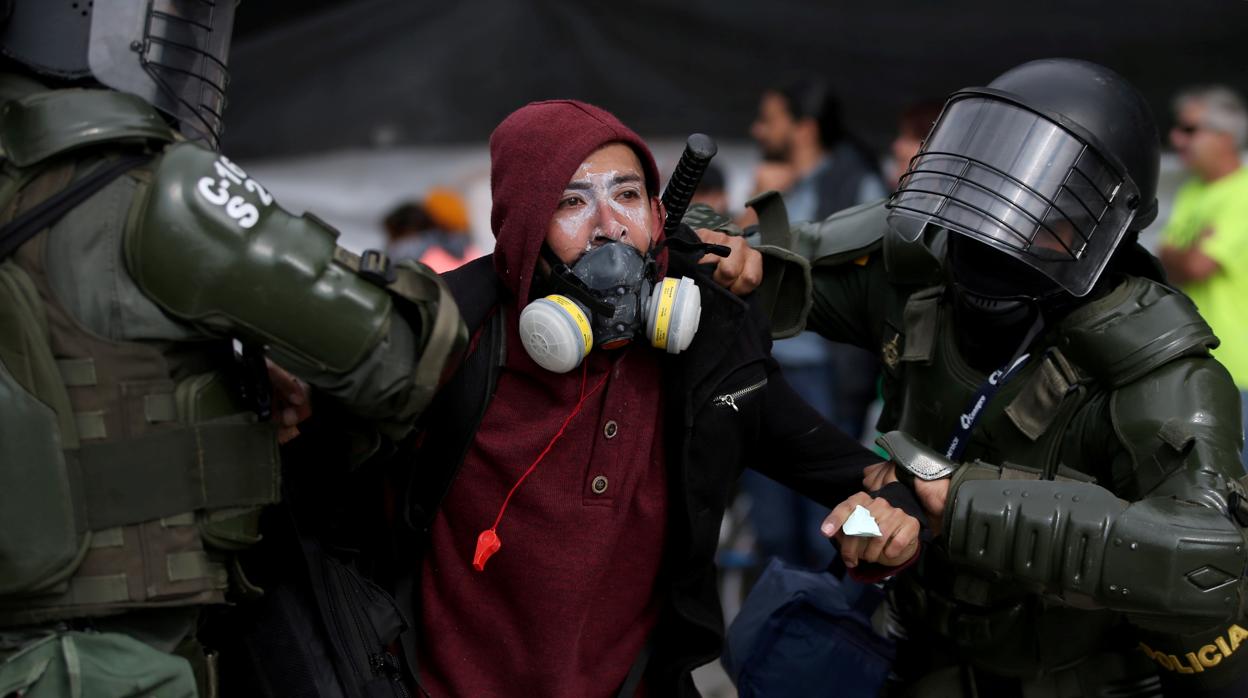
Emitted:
<point x="699" y="150"/>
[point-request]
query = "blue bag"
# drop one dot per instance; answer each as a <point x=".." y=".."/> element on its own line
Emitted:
<point x="805" y="633"/>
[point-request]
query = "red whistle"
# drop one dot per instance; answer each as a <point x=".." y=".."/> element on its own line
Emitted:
<point x="487" y="544"/>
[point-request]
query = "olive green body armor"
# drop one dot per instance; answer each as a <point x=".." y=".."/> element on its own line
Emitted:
<point x="131" y="470"/>
<point x="1100" y="510"/>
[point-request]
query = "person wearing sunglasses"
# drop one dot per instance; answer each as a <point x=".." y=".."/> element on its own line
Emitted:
<point x="1205" y="243"/>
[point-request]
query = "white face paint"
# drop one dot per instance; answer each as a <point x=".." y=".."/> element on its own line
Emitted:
<point x="605" y="200"/>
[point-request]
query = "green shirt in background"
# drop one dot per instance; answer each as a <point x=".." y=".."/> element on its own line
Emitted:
<point x="1220" y="206"/>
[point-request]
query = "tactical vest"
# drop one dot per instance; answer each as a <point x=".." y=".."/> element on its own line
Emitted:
<point x="928" y="387"/>
<point x="130" y="471"/>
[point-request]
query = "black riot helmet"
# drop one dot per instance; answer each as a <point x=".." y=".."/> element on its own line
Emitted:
<point x="1052" y="164"/>
<point x="171" y="53"/>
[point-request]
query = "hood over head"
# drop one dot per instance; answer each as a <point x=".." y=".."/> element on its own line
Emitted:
<point x="533" y="154"/>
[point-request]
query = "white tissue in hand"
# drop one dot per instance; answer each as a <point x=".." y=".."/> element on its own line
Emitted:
<point x="861" y="523"/>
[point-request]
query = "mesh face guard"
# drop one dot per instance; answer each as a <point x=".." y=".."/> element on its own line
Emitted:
<point x="1026" y="183"/>
<point x="171" y="53"/>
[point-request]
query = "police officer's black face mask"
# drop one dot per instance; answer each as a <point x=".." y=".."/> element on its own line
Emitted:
<point x="996" y="299"/>
<point x="992" y="278"/>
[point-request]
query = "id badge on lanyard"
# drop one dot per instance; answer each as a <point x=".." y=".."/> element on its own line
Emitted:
<point x="968" y="419"/>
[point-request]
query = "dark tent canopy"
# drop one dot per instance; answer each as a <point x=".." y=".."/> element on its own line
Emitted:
<point x="322" y="75"/>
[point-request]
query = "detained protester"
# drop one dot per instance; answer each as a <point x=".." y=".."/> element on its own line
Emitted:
<point x="1052" y="399"/>
<point x="136" y="452"/>
<point x="567" y="495"/>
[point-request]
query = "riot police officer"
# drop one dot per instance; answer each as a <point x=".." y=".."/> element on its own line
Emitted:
<point x="135" y="453"/>
<point x="1051" y="397"/>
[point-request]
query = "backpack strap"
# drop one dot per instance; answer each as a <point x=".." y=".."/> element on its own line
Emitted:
<point x="447" y="431"/>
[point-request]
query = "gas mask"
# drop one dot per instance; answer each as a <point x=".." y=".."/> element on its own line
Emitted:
<point x="607" y="298"/>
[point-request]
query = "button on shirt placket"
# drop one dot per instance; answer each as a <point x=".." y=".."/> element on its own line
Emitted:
<point x="605" y="457"/>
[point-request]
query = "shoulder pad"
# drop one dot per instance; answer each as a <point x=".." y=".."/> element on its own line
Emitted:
<point x="209" y="246"/>
<point x="1186" y="409"/>
<point x="44" y="124"/>
<point x="844" y="236"/>
<point x="1137" y="327"/>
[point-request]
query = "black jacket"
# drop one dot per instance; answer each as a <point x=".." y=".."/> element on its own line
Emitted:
<point x="708" y="442"/>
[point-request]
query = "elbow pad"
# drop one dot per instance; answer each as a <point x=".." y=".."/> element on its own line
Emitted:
<point x="1159" y="556"/>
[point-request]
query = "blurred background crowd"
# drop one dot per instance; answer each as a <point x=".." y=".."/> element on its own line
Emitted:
<point x="349" y="108"/>
<point x="374" y="114"/>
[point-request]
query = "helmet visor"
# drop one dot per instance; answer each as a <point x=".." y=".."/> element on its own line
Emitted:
<point x="172" y="53"/>
<point x="1021" y="182"/>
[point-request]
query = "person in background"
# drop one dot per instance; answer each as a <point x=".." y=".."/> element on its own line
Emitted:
<point x="819" y="168"/>
<point x="799" y="123"/>
<point x="712" y="190"/>
<point x="912" y="127"/>
<point x="1204" y="246"/>
<point x="434" y="232"/>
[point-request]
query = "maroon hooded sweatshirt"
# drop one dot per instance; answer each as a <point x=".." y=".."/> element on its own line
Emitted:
<point x="566" y="604"/>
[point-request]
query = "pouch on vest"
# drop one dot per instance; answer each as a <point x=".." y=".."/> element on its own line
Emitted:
<point x="106" y="665"/>
<point x="42" y="536"/>
<point x="202" y="398"/>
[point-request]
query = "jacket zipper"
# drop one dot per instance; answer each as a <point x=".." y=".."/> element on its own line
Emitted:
<point x="730" y="399"/>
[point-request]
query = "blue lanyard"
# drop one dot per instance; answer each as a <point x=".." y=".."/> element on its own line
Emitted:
<point x="968" y="419"/>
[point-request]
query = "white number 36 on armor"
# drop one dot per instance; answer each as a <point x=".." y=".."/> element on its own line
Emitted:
<point x="216" y="191"/>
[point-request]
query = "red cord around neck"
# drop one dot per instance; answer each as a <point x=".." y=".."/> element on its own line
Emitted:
<point x="488" y="541"/>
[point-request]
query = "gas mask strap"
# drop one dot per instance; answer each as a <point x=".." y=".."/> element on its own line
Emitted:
<point x="690" y="247"/>
<point x="966" y="422"/>
<point x="564" y="282"/>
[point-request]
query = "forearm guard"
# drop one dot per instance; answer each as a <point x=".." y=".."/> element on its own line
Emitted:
<point x="1170" y="563"/>
<point x="1163" y="557"/>
<point x="423" y="299"/>
<point x="209" y="246"/>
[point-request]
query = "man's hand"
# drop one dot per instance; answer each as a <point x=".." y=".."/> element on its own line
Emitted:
<point x="931" y="493"/>
<point x="899" y="533"/>
<point x="290" y="402"/>
<point x="741" y="271"/>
